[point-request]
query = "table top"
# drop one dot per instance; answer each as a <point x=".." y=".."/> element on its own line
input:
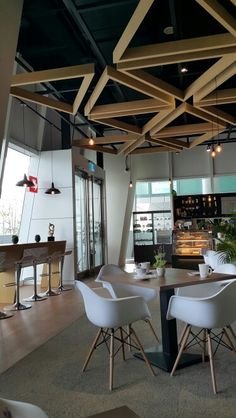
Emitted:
<point x="173" y="278"/>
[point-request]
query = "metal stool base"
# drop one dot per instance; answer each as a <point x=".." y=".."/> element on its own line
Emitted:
<point x="50" y="293"/>
<point x="4" y="315"/>
<point x="64" y="289"/>
<point x="35" y="298"/>
<point x="18" y="307"/>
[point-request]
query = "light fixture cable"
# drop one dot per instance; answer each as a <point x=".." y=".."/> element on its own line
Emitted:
<point x="25" y="182"/>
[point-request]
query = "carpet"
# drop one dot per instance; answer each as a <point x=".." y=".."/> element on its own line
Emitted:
<point x="51" y="377"/>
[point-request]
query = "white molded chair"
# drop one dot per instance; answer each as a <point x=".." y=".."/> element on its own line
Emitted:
<point x="17" y="409"/>
<point x="213" y="258"/>
<point x="216" y="311"/>
<point x="122" y="290"/>
<point x="111" y="315"/>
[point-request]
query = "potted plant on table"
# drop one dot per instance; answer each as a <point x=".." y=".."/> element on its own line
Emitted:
<point x="226" y="242"/>
<point x="160" y="261"/>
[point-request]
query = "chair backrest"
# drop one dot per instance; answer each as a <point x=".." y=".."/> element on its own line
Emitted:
<point x="213" y="258"/>
<point x="17" y="409"/>
<point x="226" y="268"/>
<point x="215" y="311"/>
<point x="120" y="290"/>
<point x="110" y="313"/>
<point x="109" y="269"/>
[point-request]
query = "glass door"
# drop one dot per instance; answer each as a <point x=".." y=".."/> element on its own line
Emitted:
<point x="89" y="223"/>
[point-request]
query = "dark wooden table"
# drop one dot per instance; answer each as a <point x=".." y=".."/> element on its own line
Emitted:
<point x="165" y="355"/>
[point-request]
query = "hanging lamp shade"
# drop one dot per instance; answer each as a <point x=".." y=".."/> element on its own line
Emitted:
<point x="52" y="190"/>
<point x="25" y="182"/>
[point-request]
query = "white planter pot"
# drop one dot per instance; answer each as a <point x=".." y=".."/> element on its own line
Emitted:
<point x="160" y="271"/>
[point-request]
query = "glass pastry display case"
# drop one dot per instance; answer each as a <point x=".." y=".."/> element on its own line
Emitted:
<point x="188" y="247"/>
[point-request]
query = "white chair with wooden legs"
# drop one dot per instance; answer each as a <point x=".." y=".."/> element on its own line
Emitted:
<point x="121" y="290"/>
<point x="18" y="409"/>
<point x="111" y="315"/>
<point x="216" y="311"/>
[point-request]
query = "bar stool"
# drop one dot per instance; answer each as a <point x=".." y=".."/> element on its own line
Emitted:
<point x="49" y="291"/>
<point x="3" y="267"/>
<point x="18" y="306"/>
<point x="61" y="260"/>
<point x="40" y="256"/>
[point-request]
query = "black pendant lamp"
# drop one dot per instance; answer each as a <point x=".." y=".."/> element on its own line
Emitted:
<point x="25" y="182"/>
<point x="52" y="190"/>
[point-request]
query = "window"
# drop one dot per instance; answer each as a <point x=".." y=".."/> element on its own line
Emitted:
<point x="224" y="184"/>
<point x="12" y="198"/>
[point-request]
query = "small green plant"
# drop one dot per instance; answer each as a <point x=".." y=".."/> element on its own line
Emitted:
<point x="226" y="247"/>
<point x="159" y="258"/>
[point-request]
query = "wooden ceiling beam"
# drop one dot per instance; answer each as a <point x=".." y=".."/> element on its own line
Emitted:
<point x="160" y="85"/>
<point x="219" y="14"/>
<point x="136" y="144"/>
<point x="108" y="139"/>
<point x="219" y="97"/>
<point x="183" y="46"/>
<point x="155" y="121"/>
<point x="54" y="74"/>
<point x="96" y="92"/>
<point x="81" y="92"/>
<point x="128" y="108"/>
<point x="127" y="66"/>
<point x="124" y="147"/>
<point x="184" y="130"/>
<point x="174" y="142"/>
<point x="168" y="119"/>
<point x="209" y="75"/>
<point x="205" y="137"/>
<point x="42" y="100"/>
<point x="127" y="127"/>
<point x="134" y="23"/>
<point x="203" y="115"/>
<point x="221" y="116"/>
<point x="167" y="144"/>
<point x="216" y="82"/>
<point x="97" y="148"/>
<point x="151" y="150"/>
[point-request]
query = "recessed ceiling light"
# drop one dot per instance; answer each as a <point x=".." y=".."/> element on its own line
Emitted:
<point x="184" y="70"/>
<point x="169" y="30"/>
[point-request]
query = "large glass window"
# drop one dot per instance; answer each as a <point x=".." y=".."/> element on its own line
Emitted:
<point x="224" y="184"/>
<point x="12" y="198"/>
<point x="192" y="186"/>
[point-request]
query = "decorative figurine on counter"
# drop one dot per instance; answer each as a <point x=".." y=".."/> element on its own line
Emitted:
<point x="37" y="238"/>
<point x="51" y="229"/>
<point x="14" y="239"/>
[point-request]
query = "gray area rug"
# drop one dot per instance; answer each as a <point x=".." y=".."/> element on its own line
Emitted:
<point x="51" y="377"/>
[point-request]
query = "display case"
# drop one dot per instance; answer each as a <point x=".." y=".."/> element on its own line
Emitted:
<point x="151" y="229"/>
<point x="188" y="247"/>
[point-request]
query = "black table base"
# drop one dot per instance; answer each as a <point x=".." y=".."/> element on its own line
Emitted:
<point x="166" y="362"/>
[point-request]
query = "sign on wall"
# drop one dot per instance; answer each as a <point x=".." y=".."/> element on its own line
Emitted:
<point x="33" y="189"/>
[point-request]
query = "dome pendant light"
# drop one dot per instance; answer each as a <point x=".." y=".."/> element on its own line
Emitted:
<point x="52" y="190"/>
<point x="25" y="182"/>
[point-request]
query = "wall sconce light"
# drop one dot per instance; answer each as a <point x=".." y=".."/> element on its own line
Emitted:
<point x="25" y="182"/>
<point x="52" y="190"/>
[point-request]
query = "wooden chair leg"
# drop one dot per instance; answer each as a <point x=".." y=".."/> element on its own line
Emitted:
<point x="93" y="346"/>
<point x="213" y="378"/>
<point x="204" y="346"/>
<point x="232" y="331"/>
<point x="111" y="359"/>
<point x="231" y="344"/>
<point x="129" y="339"/>
<point x="122" y="343"/>
<point x="183" y="344"/>
<point x="142" y="351"/>
<point x="152" y="329"/>
<point x="182" y="335"/>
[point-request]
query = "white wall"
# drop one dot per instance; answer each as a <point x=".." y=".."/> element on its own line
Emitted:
<point x="41" y="209"/>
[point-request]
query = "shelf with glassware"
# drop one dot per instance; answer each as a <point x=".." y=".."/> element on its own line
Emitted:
<point x="151" y="229"/>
